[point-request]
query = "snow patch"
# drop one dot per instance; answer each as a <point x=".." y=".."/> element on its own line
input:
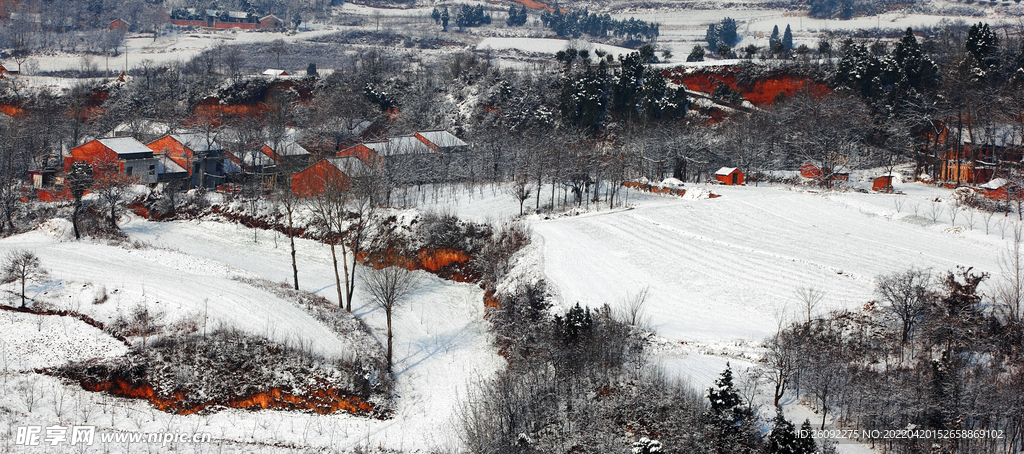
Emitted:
<point x="58" y="228"/>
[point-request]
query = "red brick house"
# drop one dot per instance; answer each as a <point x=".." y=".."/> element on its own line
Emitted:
<point x="336" y="172"/>
<point x="814" y="172"/>
<point x="123" y="155"/>
<point x="1000" y="189"/>
<point x="201" y="156"/>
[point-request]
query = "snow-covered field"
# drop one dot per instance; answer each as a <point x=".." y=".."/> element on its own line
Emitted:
<point x="720" y="272"/>
<point x="441" y="339"/>
<point x="546" y="45"/>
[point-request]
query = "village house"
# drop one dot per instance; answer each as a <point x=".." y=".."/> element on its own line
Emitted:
<point x="123" y="155"/>
<point x="980" y="153"/>
<point x="199" y="154"/>
<point x="337" y="172"/>
<point x="118" y="24"/>
<point x="418" y="158"/>
<point x="286" y="153"/>
<point x="1000" y="189"/>
<point x="190" y="17"/>
<point x="813" y="171"/>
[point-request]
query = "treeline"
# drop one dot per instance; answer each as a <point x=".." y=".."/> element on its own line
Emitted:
<point x="930" y="354"/>
<point x="577" y="23"/>
<point x="581" y="381"/>
<point x="44" y="23"/>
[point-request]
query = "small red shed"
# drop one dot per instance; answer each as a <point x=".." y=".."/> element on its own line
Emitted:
<point x="729" y="176"/>
<point x="810" y="171"/>
<point x="882" y="183"/>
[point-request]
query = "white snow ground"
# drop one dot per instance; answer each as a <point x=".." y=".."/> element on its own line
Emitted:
<point x="441" y="339"/>
<point x="720" y="272"/>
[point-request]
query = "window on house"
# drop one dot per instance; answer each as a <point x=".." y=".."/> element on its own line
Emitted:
<point x="128" y="171"/>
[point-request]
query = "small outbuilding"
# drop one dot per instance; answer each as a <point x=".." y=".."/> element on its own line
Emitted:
<point x="882" y="183"/>
<point x="118" y="24"/>
<point x="814" y="172"/>
<point x="274" y="73"/>
<point x="730" y="176"/>
<point x="999" y="189"/>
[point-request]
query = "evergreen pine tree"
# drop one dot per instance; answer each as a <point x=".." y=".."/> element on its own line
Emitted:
<point x="727" y="32"/>
<point x="731" y="425"/>
<point x="646" y="446"/>
<point x="783" y="438"/>
<point x="774" y="38"/>
<point x="787" y="39"/>
<point x="982" y="43"/>
<point x="697" y="54"/>
<point x="436" y="15"/>
<point x="444" y="19"/>
<point x="712" y="36"/>
<point x="908" y="67"/>
<point x="805" y="443"/>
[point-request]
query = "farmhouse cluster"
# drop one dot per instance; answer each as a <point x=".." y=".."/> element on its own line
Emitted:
<point x="192" y="159"/>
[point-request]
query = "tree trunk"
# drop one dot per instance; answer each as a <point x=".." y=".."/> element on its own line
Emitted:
<point x="387" y="313"/>
<point x="291" y="239"/>
<point x="337" y="278"/>
<point x="344" y="264"/>
<point x="355" y="260"/>
<point x="23" y="292"/>
<point x="74" y="221"/>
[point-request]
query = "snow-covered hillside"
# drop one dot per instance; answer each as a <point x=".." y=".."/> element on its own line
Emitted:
<point x="721" y="273"/>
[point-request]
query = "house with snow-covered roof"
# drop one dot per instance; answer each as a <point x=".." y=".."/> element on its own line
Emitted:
<point x="286" y="152"/>
<point x="817" y="171"/>
<point x="198" y="153"/>
<point x="122" y="155"/>
<point x="441" y="141"/>
<point x="982" y="151"/>
<point x="1000" y="189"/>
<point x="329" y="173"/>
<point x="420" y="157"/>
<point x="274" y="73"/>
<point x="729" y="176"/>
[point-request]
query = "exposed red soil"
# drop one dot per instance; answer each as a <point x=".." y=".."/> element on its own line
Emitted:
<point x="321" y="400"/>
<point x="761" y="92"/>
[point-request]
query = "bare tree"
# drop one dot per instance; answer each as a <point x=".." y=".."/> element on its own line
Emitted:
<point x="80" y="180"/>
<point x="1010" y="292"/>
<point x="278" y="48"/>
<point x="810" y="297"/>
<point x="328" y="206"/>
<point x="906" y="295"/>
<point x="521" y="191"/>
<point x="634" y="308"/>
<point x="21" y="266"/>
<point x="367" y="192"/>
<point x="111" y="184"/>
<point x="289" y="202"/>
<point x="389" y="287"/>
